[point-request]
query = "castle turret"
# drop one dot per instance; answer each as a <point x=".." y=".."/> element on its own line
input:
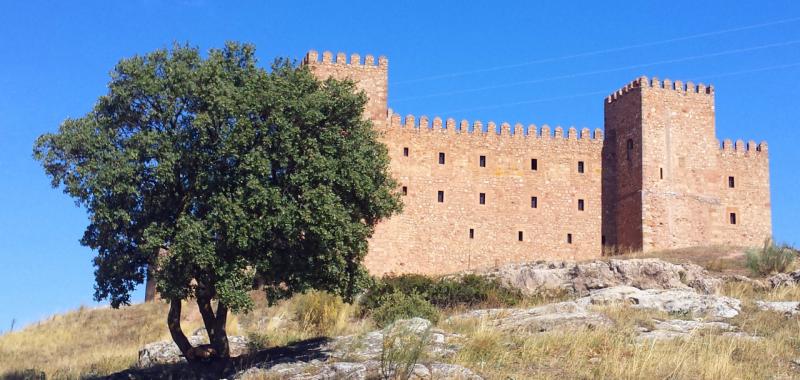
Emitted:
<point x="370" y="76"/>
<point x="664" y="184"/>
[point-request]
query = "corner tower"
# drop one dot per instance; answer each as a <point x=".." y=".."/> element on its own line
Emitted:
<point x="370" y="76"/>
<point x="667" y="183"/>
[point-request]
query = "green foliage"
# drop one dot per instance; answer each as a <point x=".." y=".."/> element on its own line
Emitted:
<point x="400" y="305"/>
<point x="220" y="174"/>
<point x="401" y="350"/>
<point x="771" y="258"/>
<point x="467" y="290"/>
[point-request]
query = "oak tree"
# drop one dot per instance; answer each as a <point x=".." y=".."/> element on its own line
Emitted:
<point x="216" y="175"/>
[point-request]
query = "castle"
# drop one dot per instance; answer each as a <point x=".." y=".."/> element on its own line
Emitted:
<point x="477" y="195"/>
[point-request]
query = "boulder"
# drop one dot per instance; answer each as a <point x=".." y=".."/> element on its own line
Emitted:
<point x="167" y="352"/>
<point x="359" y="356"/>
<point x="785" y="307"/>
<point x="784" y="279"/>
<point x="675" y="301"/>
<point x="680" y="328"/>
<point x="580" y="278"/>
<point x="557" y="316"/>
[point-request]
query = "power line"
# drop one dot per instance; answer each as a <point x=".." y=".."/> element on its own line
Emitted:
<point x="598" y="52"/>
<point x="605" y="71"/>
<point x="606" y="92"/>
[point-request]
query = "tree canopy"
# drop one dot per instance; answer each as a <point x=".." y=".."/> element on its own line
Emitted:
<point x="219" y="174"/>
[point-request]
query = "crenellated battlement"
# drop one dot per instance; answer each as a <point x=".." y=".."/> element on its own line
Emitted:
<point x="450" y="125"/>
<point x="666" y="85"/>
<point x="749" y="148"/>
<point x="341" y="59"/>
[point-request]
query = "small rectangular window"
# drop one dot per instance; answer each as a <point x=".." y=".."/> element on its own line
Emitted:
<point x="482" y="198"/>
<point x="534" y="202"/>
<point x="534" y="164"/>
<point x="733" y="218"/>
<point x="519" y="235"/>
<point x="731" y="182"/>
<point x="483" y="161"/>
<point x="405" y="152"/>
<point x="472" y="233"/>
<point x="580" y="166"/>
<point x="441" y="196"/>
<point x="661" y="171"/>
<point x="569" y="238"/>
<point x="441" y="158"/>
<point x="405" y="190"/>
<point x="580" y="204"/>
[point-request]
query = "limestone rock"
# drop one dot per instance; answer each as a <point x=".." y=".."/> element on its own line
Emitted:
<point x="678" y="301"/>
<point x="784" y="279"/>
<point x="358" y="356"/>
<point x="580" y="278"/>
<point x="679" y="328"/>
<point x="756" y="284"/>
<point x="167" y="352"/>
<point x="786" y="307"/>
<point x="557" y="316"/>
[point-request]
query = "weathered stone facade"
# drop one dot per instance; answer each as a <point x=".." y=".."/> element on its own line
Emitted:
<point x="477" y="195"/>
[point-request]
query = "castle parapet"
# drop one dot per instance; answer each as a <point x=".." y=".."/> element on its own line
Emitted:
<point x="741" y="148"/>
<point x="422" y="124"/>
<point x="666" y="85"/>
<point x="312" y="57"/>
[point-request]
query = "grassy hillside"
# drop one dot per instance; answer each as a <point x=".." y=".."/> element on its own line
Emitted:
<point x="90" y="342"/>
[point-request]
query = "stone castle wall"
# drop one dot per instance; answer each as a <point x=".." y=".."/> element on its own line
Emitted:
<point x="682" y="183"/>
<point x="659" y="179"/>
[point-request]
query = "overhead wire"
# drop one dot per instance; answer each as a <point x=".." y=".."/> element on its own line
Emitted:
<point x="604" y="71"/>
<point x="602" y="51"/>
<point x="606" y="92"/>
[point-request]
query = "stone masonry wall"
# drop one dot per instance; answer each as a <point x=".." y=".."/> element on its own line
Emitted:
<point x="749" y="198"/>
<point x="434" y="237"/>
<point x="658" y="180"/>
<point x="684" y="177"/>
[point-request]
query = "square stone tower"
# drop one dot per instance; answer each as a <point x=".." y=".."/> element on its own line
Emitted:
<point x="667" y="183"/>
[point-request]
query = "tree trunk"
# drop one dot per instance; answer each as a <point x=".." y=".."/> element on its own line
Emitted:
<point x="215" y="326"/>
<point x="150" y="285"/>
<point x="174" y="324"/>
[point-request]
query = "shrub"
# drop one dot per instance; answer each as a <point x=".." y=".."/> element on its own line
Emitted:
<point x="469" y="290"/>
<point x="399" y="305"/>
<point x="401" y="350"/>
<point x="771" y="258"/>
<point x="472" y="290"/>
<point x="320" y="313"/>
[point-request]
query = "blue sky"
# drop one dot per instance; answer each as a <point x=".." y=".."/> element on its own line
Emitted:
<point x="55" y="59"/>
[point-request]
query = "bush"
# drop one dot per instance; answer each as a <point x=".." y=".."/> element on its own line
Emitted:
<point x="399" y="305"/>
<point x="401" y="350"/>
<point x="320" y="313"/>
<point x="468" y="290"/>
<point x="771" y="258"/>
<point x="473" y="290"/>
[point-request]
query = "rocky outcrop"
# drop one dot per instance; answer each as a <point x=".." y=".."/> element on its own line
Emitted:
<point x="580" y="278"/>
<point x="681" y="328"/>
<point x="674" y="301"/>
<point x="167" y="352"/>
<point x="785" y="307"/>
<point x="784" y="279"/>
<point x="558" y="316"/>
<point x="369" y="356"/>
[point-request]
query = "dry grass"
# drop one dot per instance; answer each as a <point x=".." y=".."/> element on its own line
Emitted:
<point x="91" y="342"/>
<point x="101" y="341"/>
<point x="304" y="316"/>
<point x="613" y="353"/>
<point x="85" y="341"/>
